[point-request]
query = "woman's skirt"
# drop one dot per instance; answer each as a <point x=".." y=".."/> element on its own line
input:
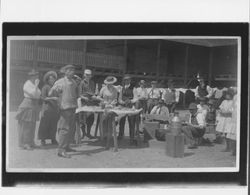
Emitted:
<point x="224" y="124"/>
<point x="28" y="110"/>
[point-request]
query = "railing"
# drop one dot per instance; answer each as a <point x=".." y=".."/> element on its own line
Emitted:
<point x="65" y="56"/>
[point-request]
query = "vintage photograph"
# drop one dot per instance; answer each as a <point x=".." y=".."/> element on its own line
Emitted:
<point x="123" y="103"/>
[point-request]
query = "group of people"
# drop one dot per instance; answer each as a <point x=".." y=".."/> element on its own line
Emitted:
<point x="60" y="98"/>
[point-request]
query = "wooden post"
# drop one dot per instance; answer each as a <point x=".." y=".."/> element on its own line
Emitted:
<point x="125" y="55"/>
<point x="84" y="65"/>
<point x="158" y="58"/>
<point x="186" y="65"/>
<point x="185" y="72"/>
<point x="35" y="56"/>
<point x="210" y="65"/>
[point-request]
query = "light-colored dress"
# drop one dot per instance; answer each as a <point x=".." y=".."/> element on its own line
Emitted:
<point x="109" y="95"/>
<point x="232" y="126"/>
<point x="223" y="125"/>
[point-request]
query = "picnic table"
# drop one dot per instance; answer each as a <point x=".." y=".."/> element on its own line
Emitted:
<point x="116" y="112"/>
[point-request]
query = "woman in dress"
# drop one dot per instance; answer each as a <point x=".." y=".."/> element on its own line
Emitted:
<point x="28" y="111"/>
<point x="50" y="112"/>
<point x="224" y="117"/>
<point x="108" y="95"/>
<point x="232" y="131"/>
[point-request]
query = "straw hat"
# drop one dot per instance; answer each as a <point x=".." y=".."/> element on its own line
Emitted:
<point x="126" y="77"/>
<point x="87" y="71"/>
<point x="142" y="82"/>
<point x="63" y="69"/>
<point x="33" y="72"/>
<point x="48" y="74"/>
<point x="153" y="82"/>
<point x="110" y="80"/>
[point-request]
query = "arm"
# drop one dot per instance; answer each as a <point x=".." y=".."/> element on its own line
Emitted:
<point x="196" y="92"/>
<point x="210" y="92"/>
<point x="177" y="96"/>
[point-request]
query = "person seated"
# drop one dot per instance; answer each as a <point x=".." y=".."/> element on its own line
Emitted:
<point x="195" y="128"/>
<point x="161" y="110"/>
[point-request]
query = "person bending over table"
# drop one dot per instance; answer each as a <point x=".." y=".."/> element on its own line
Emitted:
<point x="141" y="95"/>
<point x="86" y="92"/>
<point x="154" y="94"/>
<point x="126" y="99"/>
<point x="108" y="96"/>
<point x="66" y="88"/>
<point x="195" y="128"/>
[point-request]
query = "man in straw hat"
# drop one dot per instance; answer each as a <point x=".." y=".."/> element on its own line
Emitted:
<point x="86" y="92"/>
<point x="126" y="99"/>
<point x="194" y="129"/>
<point x="154" y="94"/>
<point x="66" y="88"/>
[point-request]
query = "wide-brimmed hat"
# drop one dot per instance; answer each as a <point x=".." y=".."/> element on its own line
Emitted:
<point x="63" y="69"/>
<point x="153" y="82"/>
<point x="161" y="101"/>
<point x="33" y="72"/>
<point x="87" y="71"/>
<point x="126" y="77"/>
<point x="192" y="106"/>
<point x="142" y="82"/>
<point x="110" y="80"/>
<point x="48" y="74"/>
<point x="230" y="92"/>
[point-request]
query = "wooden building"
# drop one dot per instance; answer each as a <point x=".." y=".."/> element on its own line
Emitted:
<point x="179" y="59"/>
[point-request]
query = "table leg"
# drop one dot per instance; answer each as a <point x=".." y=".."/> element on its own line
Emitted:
<point x="78" y="131"/>
<point x="97" y="124"/>
<point x="137" y="127"/>
<point x="114" y="135"/>
<point x="101" y="125"/>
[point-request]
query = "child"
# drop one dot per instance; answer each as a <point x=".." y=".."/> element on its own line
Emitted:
<point x="224" y="117"/>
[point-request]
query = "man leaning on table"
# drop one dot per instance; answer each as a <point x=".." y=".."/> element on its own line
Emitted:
<point x="86" y="91"/>
<point x="126" y="99"/>
<point x="66" y="89"/>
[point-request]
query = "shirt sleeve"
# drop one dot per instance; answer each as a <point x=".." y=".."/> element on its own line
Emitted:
<point x="153" y="111"/>
<point x="45" y="91"/>
<point x="196" y="92"/>
<point x="177" y="96"/>
<point x="201" y="119"/>
<point x="210" y="91"/>
<point x="31" y="91"/>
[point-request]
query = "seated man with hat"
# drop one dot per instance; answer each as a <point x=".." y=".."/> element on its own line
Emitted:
<point x="66" y="90"/>
<point x="162" y="110"/>
<point x="86" y="92"/>
<point x="154" y="94"/>
<point x="195" y="128"/>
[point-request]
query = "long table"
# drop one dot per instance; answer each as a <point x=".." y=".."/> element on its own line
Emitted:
<point x="117" y="113"/>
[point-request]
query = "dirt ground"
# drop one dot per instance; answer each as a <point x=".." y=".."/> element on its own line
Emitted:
<point x="91" y="154"/>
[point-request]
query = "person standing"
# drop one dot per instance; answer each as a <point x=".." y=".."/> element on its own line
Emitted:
<point x="127" y="100"/>
<point x="154" y="94"/>
<point x="108" y="96"/>
<point x="203" y="90"/>
<point x="141" y="96"/>
<point x="86" y="91"/>
<point x="66" y="88"/>
<point x="171" y="97"/>
<point x="50" y="111"/>
<point x="28" y="111"/>
<point x="224" y="118"/>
